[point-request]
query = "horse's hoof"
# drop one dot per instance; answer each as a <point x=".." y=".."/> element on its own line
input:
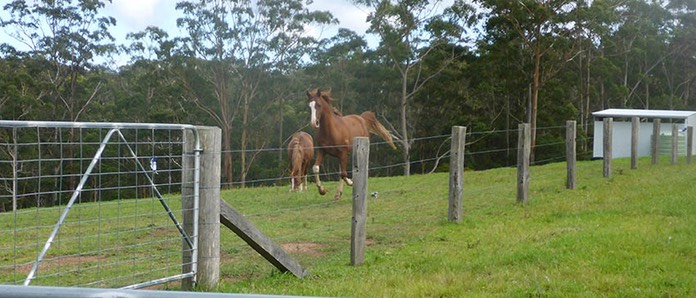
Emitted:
<point x="322" y="191"/>
<point x="337" y="197"/>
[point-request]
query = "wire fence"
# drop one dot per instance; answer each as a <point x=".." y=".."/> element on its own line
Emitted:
<point x="286" y="215"/>
<point x="117" y="234"/>
<point x="428" y="154"/>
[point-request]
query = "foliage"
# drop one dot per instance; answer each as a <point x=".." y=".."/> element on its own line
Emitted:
<point x="244" y="68"/>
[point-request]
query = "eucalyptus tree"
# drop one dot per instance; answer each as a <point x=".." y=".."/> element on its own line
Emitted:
<point x="69" y="35"/>
<point x="337" y="63"/>
<point x="409" y="31"/>
<point x="148" y="82"/>
<point x="544" y="28"/>
<point x="679" y="69"/>
<point x="235" y="44"/>
<point x="65" y="38"/>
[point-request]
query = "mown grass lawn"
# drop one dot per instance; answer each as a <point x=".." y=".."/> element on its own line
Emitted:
<point x="631" y="235"/>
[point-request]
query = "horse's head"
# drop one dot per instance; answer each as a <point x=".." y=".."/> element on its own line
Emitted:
<point x="319" y="102"/>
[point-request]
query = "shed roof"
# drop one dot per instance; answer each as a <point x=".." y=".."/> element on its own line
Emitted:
<point x="668" y="114"/>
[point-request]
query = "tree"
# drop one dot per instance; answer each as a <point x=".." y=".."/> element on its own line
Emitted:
<point x="409" y="31"/>
<point x="540" y="25"/>
<point x="237" y="43"/>
<point x="69" y="35"/>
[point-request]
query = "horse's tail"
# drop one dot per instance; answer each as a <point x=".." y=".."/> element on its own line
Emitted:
<point x="377" y="128"/>
<point x="295" y="150"/>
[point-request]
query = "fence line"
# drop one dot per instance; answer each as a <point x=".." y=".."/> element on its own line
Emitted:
<point x="284" y="178"/>
<point x="326" y="204"/>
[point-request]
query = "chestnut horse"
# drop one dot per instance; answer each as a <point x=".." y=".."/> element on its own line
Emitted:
<point x="300" y="154"/>
<point x="336" y="132"/>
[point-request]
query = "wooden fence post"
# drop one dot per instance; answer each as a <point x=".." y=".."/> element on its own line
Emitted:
<point x="456" y="183"/>
<point x="675" y="143"/>
<point x="689" y="143"/>
<point x="523" y="153"/>
<point x="208" y="254"/>
<point x="656" y="141"/>
<point x="208" y="274"/>
<point x="571" y="154"/>
<point x="635" y="127"/>
<point x="608" y="130"/>
<point x="361" y="159"/>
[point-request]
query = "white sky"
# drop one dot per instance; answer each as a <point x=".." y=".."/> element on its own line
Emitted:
<point x="136" y="15"/>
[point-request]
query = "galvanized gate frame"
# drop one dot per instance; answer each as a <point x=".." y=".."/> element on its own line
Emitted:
<point x="115" y="129"/>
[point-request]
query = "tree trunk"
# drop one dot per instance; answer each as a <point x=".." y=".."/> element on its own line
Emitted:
<point x="404" y="124"/>
<point x="245" y="127"/>
<point x="227" y="157"/>
<point x="535" y="100"/>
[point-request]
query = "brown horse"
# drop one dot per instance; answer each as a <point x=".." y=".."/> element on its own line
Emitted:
<point x="300" y="154"/>
<point x="336" y="132"/>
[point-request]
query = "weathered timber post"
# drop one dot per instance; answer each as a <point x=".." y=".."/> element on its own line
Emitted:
<point x="204" y="259"/>
<point x="608" y="130"/>
<point x="456" y="183"/>
<point x="656" y="141"/>
<point x="675" y="143"/>
<point x="635" y="127"/>
<point x="361" y="159"/>
<point x="689" y="143"/>
<point x="571" y="154"/>
<point x="523" y="154"/>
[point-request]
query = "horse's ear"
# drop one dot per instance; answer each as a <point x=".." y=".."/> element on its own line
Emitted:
<point x="318" y="92"/>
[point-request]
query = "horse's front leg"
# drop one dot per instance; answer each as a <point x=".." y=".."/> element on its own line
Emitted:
<point x="344" y="169"/>
<point x="344" y="176"/>
<point x="339" y="190"/>
<point x="315" y="169"/>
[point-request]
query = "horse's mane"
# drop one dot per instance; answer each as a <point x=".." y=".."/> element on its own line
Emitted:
<point x="326" y="95"/>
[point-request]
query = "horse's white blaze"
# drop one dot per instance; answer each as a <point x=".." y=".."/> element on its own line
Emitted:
<point x="313" y="112"/>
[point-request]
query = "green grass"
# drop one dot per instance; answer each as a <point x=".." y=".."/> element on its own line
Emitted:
<point x="631" y="235"/>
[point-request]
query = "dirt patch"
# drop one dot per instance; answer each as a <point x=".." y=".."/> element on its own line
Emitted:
<point x="309" y="248"/>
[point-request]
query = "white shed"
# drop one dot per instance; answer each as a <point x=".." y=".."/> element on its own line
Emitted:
<point x="621" y="137"/>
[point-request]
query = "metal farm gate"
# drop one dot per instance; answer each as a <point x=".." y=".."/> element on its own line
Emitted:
<point x="97" y="204"/>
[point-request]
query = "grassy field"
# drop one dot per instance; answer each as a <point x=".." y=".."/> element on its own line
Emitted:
<point x="631" y="235"/>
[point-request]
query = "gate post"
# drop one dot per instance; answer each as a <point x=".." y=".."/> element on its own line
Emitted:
<point x="207" y="256"/>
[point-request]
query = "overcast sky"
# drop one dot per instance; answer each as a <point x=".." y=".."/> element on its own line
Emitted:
<point x="136" y="15"/>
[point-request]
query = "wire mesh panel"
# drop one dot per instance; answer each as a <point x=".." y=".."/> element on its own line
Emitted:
<point x="92" y="204"/>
